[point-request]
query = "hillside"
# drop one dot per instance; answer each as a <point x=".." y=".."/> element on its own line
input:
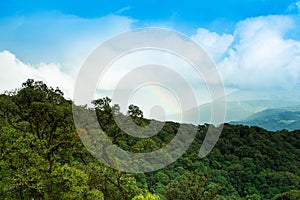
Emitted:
<point x="42" y="156"/>
<point x="275" y="119"/>
<point x="237" y="111"/>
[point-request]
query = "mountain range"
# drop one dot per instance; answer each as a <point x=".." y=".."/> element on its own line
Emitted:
<point x="274" y="119"/>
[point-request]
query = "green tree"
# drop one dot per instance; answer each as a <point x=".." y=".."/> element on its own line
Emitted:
<point x="147" y="196"/>
<point x="134" y="111"/>
<point x="192" y="186"/>
<point x="290" y="195"/>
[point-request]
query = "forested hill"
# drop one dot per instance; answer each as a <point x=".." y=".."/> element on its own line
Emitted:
<point x="275" y="119"/>
<point x="42" y="156"/>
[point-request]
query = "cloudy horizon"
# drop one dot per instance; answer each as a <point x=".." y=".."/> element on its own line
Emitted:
<point x="255" y="51"/>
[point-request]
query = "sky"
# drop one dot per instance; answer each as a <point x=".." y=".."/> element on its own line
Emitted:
<point x="255" y="44"/>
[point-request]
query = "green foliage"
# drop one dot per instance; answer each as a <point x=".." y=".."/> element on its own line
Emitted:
<point x="134" y="111"/>
<point x="193" y="185"/>
<point x="42" y="156"/>
<point x="290" y="195"/>
<point x="147" y="196"/>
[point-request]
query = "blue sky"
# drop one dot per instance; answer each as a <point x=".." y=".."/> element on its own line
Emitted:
<point x="189" y="12"/>
<point x="219" y="16"/>
<point x="26" y="24"/>
<point x="255" y="44"/>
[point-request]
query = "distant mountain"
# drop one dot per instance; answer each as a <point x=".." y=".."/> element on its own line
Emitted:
<point x="240" y="105"/>
<point x="241" y="110"/>
<point x="236" y="111"/>
<point x="274" y="119"/>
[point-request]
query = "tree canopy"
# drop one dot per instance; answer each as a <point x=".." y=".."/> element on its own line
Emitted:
<point x="42" y="156"/>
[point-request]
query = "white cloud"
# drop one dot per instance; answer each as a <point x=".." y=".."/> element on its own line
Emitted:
<point x="122" y="10"/>
<point x="175" y="72"/>
<point x="15" y="72"/>
<point x="262" y="56"/>
<point x="58" y="38"/>
<point x="62" y="40"/>
<point x="259" y="55"/>
<point x="214" y="44"/>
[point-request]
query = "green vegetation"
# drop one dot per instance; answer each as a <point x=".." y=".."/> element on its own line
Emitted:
<point x="42" y="156"/>
<point x="275" y="119"/>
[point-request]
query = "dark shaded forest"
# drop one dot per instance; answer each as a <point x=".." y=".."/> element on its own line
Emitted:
<point x="42" y="156"/>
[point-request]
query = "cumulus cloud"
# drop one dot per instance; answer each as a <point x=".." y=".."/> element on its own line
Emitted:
<point x="214" y="44"/>
<point x="51" y="46"/>
<point x="262" y="55"/>
<point x="15" y="72"/>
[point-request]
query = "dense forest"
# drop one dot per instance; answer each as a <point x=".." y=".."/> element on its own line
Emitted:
<point x="42" y="156"/>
